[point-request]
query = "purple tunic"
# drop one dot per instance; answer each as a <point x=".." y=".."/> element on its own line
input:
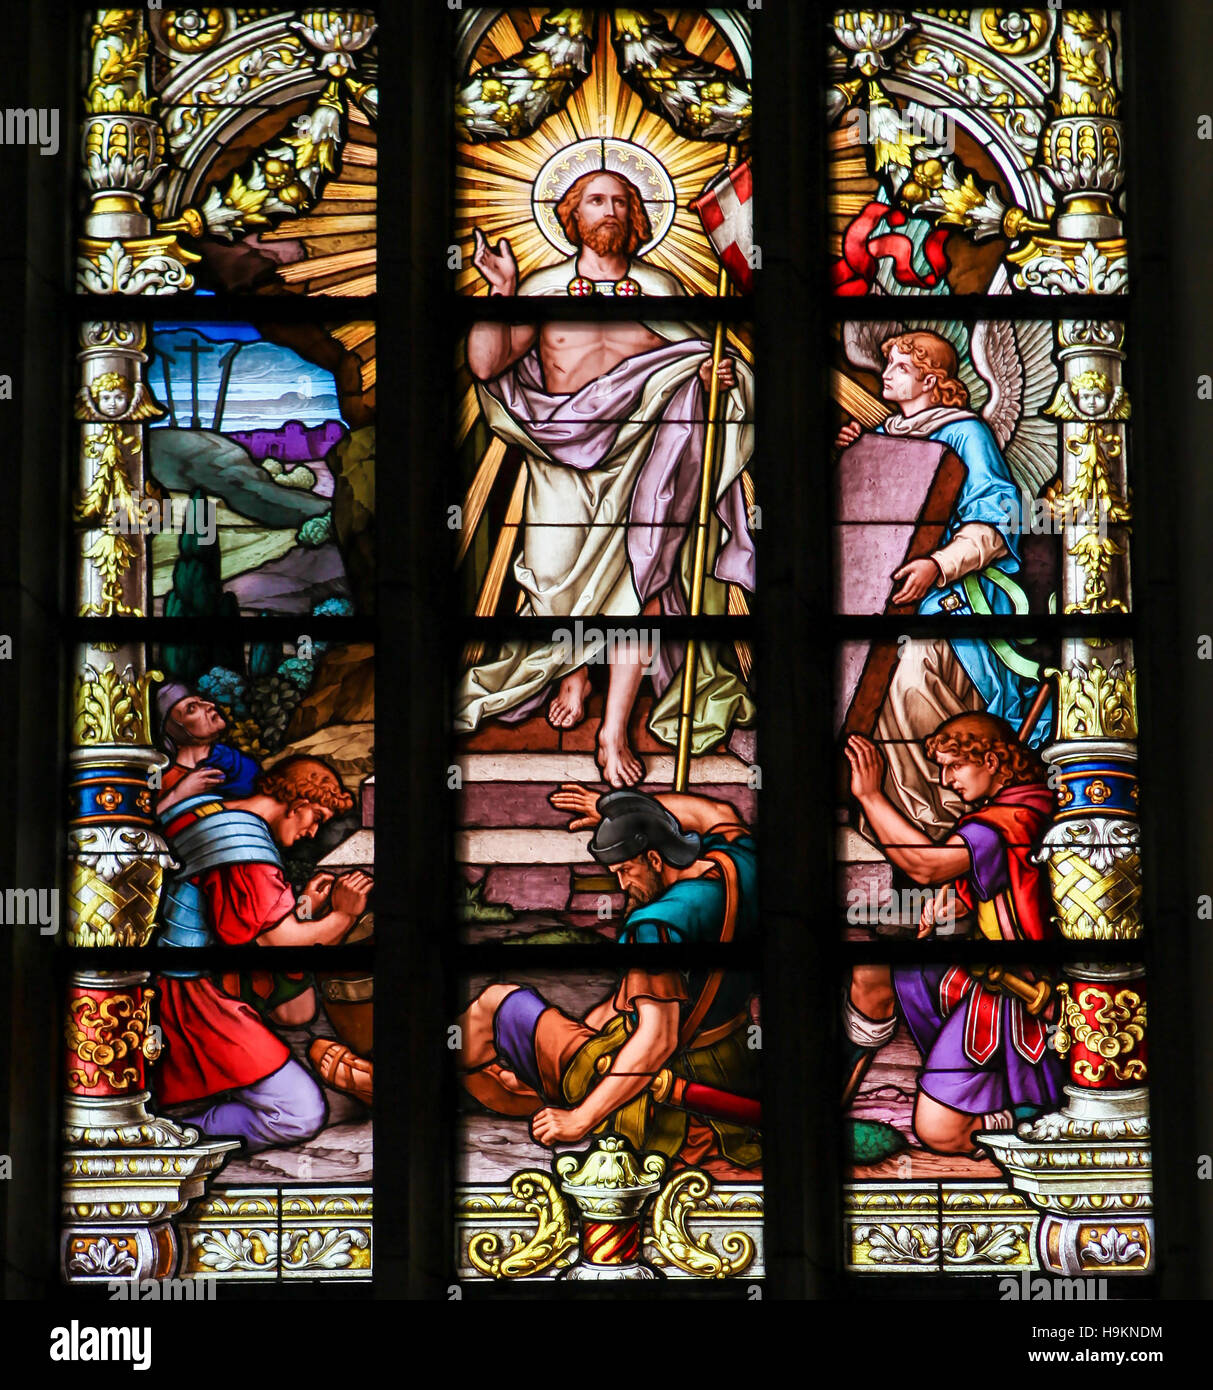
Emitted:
<point x="949" y="1075"/>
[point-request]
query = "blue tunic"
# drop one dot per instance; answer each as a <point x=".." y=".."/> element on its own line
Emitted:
<point x="989" y="494"/>
<point x="692" y="910"/>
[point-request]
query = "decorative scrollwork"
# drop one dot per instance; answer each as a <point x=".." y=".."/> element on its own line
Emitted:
<point x="691" y="1254"/>
<point x="1097" y="702"/>
<point x="1054" y="266"/>
<point x="973" y="1242"/>
<point x="1014" y="32"/>
<point x="897" y="1243"/>
<point x="551" y="1242"/>
<point x="192" y="31"/>
<point x="105" y="1033"/>
<point x="157" y="266"/>
<point x="1111" y="1031"/>
<point x="112" y="708"/>
<point x="869" y="35"/>
<point x="104" y="1256"/>
<point x="1086" y="69"/>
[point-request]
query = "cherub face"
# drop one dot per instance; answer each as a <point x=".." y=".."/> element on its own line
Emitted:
<point x="1091" y="400"/>
<point x="112" y="401"/>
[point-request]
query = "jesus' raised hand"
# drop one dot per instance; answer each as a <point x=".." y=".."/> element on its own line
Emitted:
<point x="496" y="264"/>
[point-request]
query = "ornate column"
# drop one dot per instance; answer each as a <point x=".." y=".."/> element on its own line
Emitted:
<point x="1091" y="501"/>
<point x="1088" y="1165"/>
<point x="120" y="252"/>
<point x="1080" y="160"/>
<point x="611" y="1192"/>
<point x="116" y="855"/>
<point x="125" y="1171"/>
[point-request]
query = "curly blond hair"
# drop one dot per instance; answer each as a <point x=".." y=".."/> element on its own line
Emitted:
<point x="109" y="381"/>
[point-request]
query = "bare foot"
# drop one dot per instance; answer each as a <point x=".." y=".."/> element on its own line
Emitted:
<point x="568" y="706"/>
<point x="620" y="766"/>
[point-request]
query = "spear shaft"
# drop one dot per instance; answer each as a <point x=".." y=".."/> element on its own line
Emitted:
<point x="707" y="479"/>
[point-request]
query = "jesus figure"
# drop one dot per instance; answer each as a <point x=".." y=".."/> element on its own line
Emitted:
<point x="611" y="419"/>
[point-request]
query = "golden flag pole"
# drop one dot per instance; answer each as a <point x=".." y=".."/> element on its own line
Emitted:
<point x="690" y="664"/>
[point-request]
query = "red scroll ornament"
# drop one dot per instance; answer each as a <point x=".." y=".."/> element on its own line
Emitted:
<point x="855" y="272"/>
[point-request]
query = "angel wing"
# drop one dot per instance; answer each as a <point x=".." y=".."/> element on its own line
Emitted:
<point x="144" y="405"/>
<point x="1062" y="406"/>
<point x="1016" y="362"/>
<point x="85" y="409"/>
<point x="996" y="357"/>
<point x="861" y="342"/>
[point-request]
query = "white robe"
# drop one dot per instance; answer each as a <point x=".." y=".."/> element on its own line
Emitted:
<point x="574" y="559"/>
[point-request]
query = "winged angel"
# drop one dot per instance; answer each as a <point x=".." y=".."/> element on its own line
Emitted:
<point x="980" y="392"/>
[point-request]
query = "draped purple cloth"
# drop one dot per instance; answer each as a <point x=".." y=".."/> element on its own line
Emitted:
<point x="580" y="431"/>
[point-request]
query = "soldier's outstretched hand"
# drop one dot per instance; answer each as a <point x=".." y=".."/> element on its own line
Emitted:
<point x="580" y="802"/>
<point x="550" y="1126"/>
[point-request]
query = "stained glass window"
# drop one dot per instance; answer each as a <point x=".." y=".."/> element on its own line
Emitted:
<point x="994" y="1077"/>
<point x="604" y="700"/>
<point x="976" y="151"/>
<point x="221" y="761"/>
<point x="228" y="149"/>
<point x="755" y="672"/>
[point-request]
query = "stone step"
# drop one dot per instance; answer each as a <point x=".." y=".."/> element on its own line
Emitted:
<point x="521" y="805"/>
<point x="510" y="791"/>
<point x="518" y="845"/>
<point x="553" y="768"/>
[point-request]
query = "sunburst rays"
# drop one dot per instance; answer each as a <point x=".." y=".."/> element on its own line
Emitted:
<point x="493" y="182"/>
<point x="493" y="188"/>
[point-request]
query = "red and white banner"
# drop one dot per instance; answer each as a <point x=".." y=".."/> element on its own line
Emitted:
<point x="725" y="208"/>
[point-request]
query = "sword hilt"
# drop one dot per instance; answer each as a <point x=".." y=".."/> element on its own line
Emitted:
<point x="1034" y="993"/>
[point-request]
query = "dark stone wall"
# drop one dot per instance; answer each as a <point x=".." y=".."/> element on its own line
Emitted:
<point x="35" y="338"/>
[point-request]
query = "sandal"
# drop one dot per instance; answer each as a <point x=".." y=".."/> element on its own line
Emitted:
<point x="342" y="1069"/>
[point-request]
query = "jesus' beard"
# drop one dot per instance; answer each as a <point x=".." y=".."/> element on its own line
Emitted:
<point x="605" y="238"/>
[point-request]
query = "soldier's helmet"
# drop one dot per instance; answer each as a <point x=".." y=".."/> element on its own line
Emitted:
<point x="634" y="823"/>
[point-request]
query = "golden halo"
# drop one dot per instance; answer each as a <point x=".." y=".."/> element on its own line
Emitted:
<point x="610" y="156"/>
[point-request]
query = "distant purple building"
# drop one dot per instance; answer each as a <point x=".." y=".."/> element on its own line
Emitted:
<point x="293" y="442"/>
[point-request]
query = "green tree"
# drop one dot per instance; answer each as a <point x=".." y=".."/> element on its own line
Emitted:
<point x="198" y="592"/>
